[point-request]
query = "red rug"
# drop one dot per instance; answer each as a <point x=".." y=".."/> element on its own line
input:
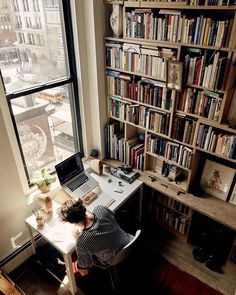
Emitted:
<point x="173" y="281"/>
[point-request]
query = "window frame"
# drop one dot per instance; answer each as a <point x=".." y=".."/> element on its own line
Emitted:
<point x="72" y="79"/>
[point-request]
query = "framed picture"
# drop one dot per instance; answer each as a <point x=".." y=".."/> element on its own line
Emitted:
<point x="174" y="75"/>
<point x="232" y="199"/>
<point x="217" y="179"/>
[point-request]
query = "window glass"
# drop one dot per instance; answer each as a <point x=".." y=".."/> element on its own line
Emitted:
<point x="40" y="82"/>
<point x="40" y="35"/>
<point x="44" y="124"/>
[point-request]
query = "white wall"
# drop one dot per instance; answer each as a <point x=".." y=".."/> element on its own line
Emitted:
<point x="90" y="59"/>
<point x="13" y="208"/>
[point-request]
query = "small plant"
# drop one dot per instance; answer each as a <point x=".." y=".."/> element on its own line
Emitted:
<point x="94" y="153"/>
<point x="44" y="180"/>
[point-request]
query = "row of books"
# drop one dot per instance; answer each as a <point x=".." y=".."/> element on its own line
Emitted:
<point x="173" y="204"/>
<point x="129" y="151"/>
<point x="215" y="141"/>
<point x="170" y="25"/>
<point x="183" y="129"/>
<point x="138" y="59"/>
<point x="139" y="115"/>
<point x="171" y="218"/>
<point x="204" y="69"/>
<point x="170" y="171"/>
<point x="145" y="90"/>
<point x="178" y="153"/>
<point x="134" y="153"/>
<point x="116" y="108"/>
<point x="148" y="118"/>
<point x="202" y="103"/>
<point x="114" y="141"/>
<point x="181" y="154"/>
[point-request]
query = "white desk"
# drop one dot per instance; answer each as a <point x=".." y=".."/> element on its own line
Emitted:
<point x="59" y="234"/>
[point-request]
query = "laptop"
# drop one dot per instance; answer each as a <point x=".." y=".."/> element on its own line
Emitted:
<point x="73" y="178"/>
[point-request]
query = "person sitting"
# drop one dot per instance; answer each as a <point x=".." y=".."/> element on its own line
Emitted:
<point x="98" y="235"/>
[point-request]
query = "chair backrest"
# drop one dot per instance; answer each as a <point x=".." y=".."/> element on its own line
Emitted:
<point x="124" y="252"/>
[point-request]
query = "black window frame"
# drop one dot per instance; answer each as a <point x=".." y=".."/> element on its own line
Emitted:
<point x="72" y="79"/>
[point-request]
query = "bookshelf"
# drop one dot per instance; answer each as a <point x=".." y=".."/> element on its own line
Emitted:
<point x="165" y="132"/>
<point x="174" y="215"/>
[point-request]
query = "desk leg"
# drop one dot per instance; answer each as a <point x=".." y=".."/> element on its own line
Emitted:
<point x="140" y="204"/>
<point x="31" y="237"/>
<point x="70" y="274"/>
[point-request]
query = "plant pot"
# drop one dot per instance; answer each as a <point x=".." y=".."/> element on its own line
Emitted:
<point x="45" y="189"/>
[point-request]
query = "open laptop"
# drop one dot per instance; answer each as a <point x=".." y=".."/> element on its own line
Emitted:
<point x="73" y="178"/>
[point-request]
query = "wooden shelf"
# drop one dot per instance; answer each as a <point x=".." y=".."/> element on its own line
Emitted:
<point x="166" y="160"/>
<point x="212" y="207"/>
<point x="226" y="95"/>
<point x="136" y="74"/>
<point x="177" y="5"/>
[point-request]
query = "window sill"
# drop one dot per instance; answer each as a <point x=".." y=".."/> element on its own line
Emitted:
<point x="34" y="193"/>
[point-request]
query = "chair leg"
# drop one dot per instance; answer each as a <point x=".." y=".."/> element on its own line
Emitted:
<point x="113" y="276"/>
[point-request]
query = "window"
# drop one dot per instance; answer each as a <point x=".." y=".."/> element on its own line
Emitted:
<point x="18" y="22"/>
<point x="28" y="22"/>
<point x="41" y="89"/>
<point x="15" y="5"/>
<point x="36" y="5"/>
<point x="26" y="5"/>
<point x="38" y="24"/>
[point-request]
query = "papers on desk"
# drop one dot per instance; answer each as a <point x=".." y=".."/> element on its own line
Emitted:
<point x="61" y="232"/>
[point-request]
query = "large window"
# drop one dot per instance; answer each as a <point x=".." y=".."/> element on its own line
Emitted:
<point x="39" y="74"/>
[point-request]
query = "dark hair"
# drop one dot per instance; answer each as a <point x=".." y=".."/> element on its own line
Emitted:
<point x="72" y="211"/>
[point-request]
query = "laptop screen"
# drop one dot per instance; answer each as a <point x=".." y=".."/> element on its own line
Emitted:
<point x="69" y="168"/>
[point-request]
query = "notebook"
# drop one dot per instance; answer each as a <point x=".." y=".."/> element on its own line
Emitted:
<point x="73" y="178"/>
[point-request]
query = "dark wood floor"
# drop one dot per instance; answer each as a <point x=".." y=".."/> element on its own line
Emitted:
<point x="136" y="275"/>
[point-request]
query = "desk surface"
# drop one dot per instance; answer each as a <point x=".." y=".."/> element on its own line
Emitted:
<point x="60" y="234"/>
<point x="212" y="207"/>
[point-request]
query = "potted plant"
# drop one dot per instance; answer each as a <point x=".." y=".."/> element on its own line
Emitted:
<point x="94" y="153"/>
<point x="44" y="180"/>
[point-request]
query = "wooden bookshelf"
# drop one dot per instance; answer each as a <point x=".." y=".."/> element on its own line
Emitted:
<point x="154" y="35"/>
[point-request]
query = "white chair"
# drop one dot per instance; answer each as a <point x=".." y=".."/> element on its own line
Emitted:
<point x="119" y="257"/>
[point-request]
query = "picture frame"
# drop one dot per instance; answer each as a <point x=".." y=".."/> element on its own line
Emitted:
<point x="217" y="179"/>
<point x="174" y="75"/>
<point x="232" y="199"/>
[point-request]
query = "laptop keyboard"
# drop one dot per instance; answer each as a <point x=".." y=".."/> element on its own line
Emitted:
<point x="74" y="184"/>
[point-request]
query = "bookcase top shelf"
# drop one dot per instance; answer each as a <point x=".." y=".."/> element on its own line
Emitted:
<point x="177" y="5"/>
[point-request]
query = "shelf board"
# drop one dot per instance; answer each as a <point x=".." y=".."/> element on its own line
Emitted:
<point x="212" y="207"/>
<point x="177" y="5"/>
<point x="113" y="2"/>
<point x="167" y="44"/>
<point x="146" y="105"/>
<point x="167" y="161"/>
<point x="221" y="126"/>
<point x="205" y="88"/>
<point x="217" y="155"/>
<point x="145" y="42"/>
<point x="166" y="183"/>
<point x="136" y="74"/>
